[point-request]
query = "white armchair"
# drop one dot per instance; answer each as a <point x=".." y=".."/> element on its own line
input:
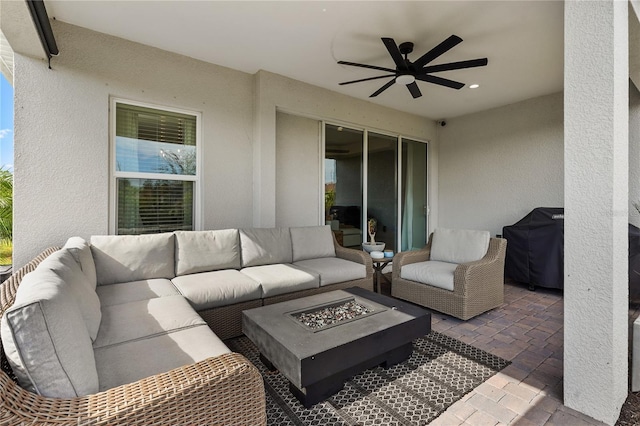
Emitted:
<point x="459" y="272"/>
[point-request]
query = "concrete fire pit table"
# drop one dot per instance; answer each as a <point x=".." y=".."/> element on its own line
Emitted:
<point x="318" y="358"/>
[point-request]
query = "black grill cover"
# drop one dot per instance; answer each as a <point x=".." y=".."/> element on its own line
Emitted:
<point x="535" y="248"/>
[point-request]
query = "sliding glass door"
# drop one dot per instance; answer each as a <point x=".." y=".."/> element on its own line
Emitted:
<point x="382" y="187"/>
<point x="414" y="207"/>
<point x="343" y="165"/>
<point x="371" y="175"/>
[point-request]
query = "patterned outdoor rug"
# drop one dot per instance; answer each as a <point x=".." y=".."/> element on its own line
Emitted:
<point x="440" y="371"/>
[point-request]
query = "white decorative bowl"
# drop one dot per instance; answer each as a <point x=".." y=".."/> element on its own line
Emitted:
<point x="368" y="247"/>
<point x="377" y="255"/>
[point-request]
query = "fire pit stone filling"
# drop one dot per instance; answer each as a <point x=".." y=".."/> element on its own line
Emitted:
<point x="326" y="316"/>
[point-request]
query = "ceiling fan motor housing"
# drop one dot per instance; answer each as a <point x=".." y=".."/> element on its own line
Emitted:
<point x="406" y="48"/>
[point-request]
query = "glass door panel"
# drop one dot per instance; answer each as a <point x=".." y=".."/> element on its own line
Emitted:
<point x="382" y="187"/>
<point x="343" y="183"/>
<point x="414" y="195"/>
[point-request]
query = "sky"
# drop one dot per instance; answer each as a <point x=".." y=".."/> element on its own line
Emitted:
<point x="6" y="124"/>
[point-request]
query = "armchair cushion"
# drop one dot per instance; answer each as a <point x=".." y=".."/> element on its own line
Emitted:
<point x="459" y="245"/>
<point x="312" y="242"/>
<point x="432" y="272"/>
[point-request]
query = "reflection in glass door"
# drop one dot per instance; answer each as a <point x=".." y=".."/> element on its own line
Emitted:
<point x="414" y="207"/>
<point x="343" y="183"/>
<point x="382" y="187"/>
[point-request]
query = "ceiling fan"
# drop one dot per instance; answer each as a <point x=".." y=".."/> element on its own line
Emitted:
<point x="408" y="72"/>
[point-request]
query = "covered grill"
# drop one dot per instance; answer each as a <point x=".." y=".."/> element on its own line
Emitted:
<point x="535" y="248"/>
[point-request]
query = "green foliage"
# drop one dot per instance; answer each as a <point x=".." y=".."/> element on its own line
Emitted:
<point x="6" y="205"/>
<point x="6" y="252"/>
<point x="329" y="199"/>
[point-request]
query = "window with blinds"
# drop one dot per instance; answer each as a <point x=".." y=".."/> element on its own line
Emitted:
<point x="155" y="169"/>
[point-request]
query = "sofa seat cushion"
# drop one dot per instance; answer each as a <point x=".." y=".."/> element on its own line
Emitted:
<point x="282" y="278"/>
<point x="459" y="245"/>
<point x="431" y="272"/>
<point x="124" y="258"/>
<point x="46" y="340"/>
<point x="115" y="294"/>
<point x="265" y="246"/>
<point x="312" y="242"/>
<point x="334" y="270"/>
<point x="134" y="360"/>
<point x="202" y="251"/>
<point x="145" y="318"/>
<point x="208" y="290"/>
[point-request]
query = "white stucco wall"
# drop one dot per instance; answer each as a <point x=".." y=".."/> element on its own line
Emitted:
<point x="497" y="165"/>
<point x="297" y="171"/>
<point x="62" y="133"/>
<point x="275" y="92"/>
<point x="596" y="292"/>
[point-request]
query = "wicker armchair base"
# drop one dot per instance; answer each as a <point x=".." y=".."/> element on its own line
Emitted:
<point x="477" y="286"/>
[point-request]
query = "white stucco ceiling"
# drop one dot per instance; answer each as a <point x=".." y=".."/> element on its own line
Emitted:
<point x="303" y="40"/>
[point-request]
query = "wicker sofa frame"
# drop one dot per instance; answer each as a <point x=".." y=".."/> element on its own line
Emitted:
<point x="222" y="390"/>
<point x="477" y="286"/>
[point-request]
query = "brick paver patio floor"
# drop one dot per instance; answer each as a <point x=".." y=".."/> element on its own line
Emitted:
<point x="527" y="330"/>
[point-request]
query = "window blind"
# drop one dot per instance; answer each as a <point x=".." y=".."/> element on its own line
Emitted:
<point x="155" y="125"/>
<point x="153" y="205"/>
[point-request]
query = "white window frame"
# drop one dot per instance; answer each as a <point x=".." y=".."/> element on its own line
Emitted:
<point x="115" y="174"/>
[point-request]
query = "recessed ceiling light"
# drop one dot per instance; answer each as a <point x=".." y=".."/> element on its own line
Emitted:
<point x="474" y="86"/>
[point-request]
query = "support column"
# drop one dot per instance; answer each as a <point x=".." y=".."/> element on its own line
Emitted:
<point x="264" y="156"/>
<point x="596" y="207"/>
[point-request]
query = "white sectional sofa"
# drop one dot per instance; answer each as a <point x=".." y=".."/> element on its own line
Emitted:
<point x="94" y="317"/>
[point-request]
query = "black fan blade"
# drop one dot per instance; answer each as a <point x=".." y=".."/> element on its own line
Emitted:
<point x="382" y="89"/>
<point x="373" y="67"/>
<point x="394" y="51"/>
<point x="437" y="51"/>
<point x="366" y="79"/>
<point x="414" y="90"/>
<point x="441" y="81"/>
<point x="454" y="66"/>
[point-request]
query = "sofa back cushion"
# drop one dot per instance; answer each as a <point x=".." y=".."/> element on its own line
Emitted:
<point x="202" y="251"/>
<point x="46" y="341"/>
<point x="265" y="246"/>
<point x="124" y="258"/>
<point x="312" y="242"/>
<point x="81" y="252"/>
<point x="63" y="265"/>
<point x="459" y="245"/>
